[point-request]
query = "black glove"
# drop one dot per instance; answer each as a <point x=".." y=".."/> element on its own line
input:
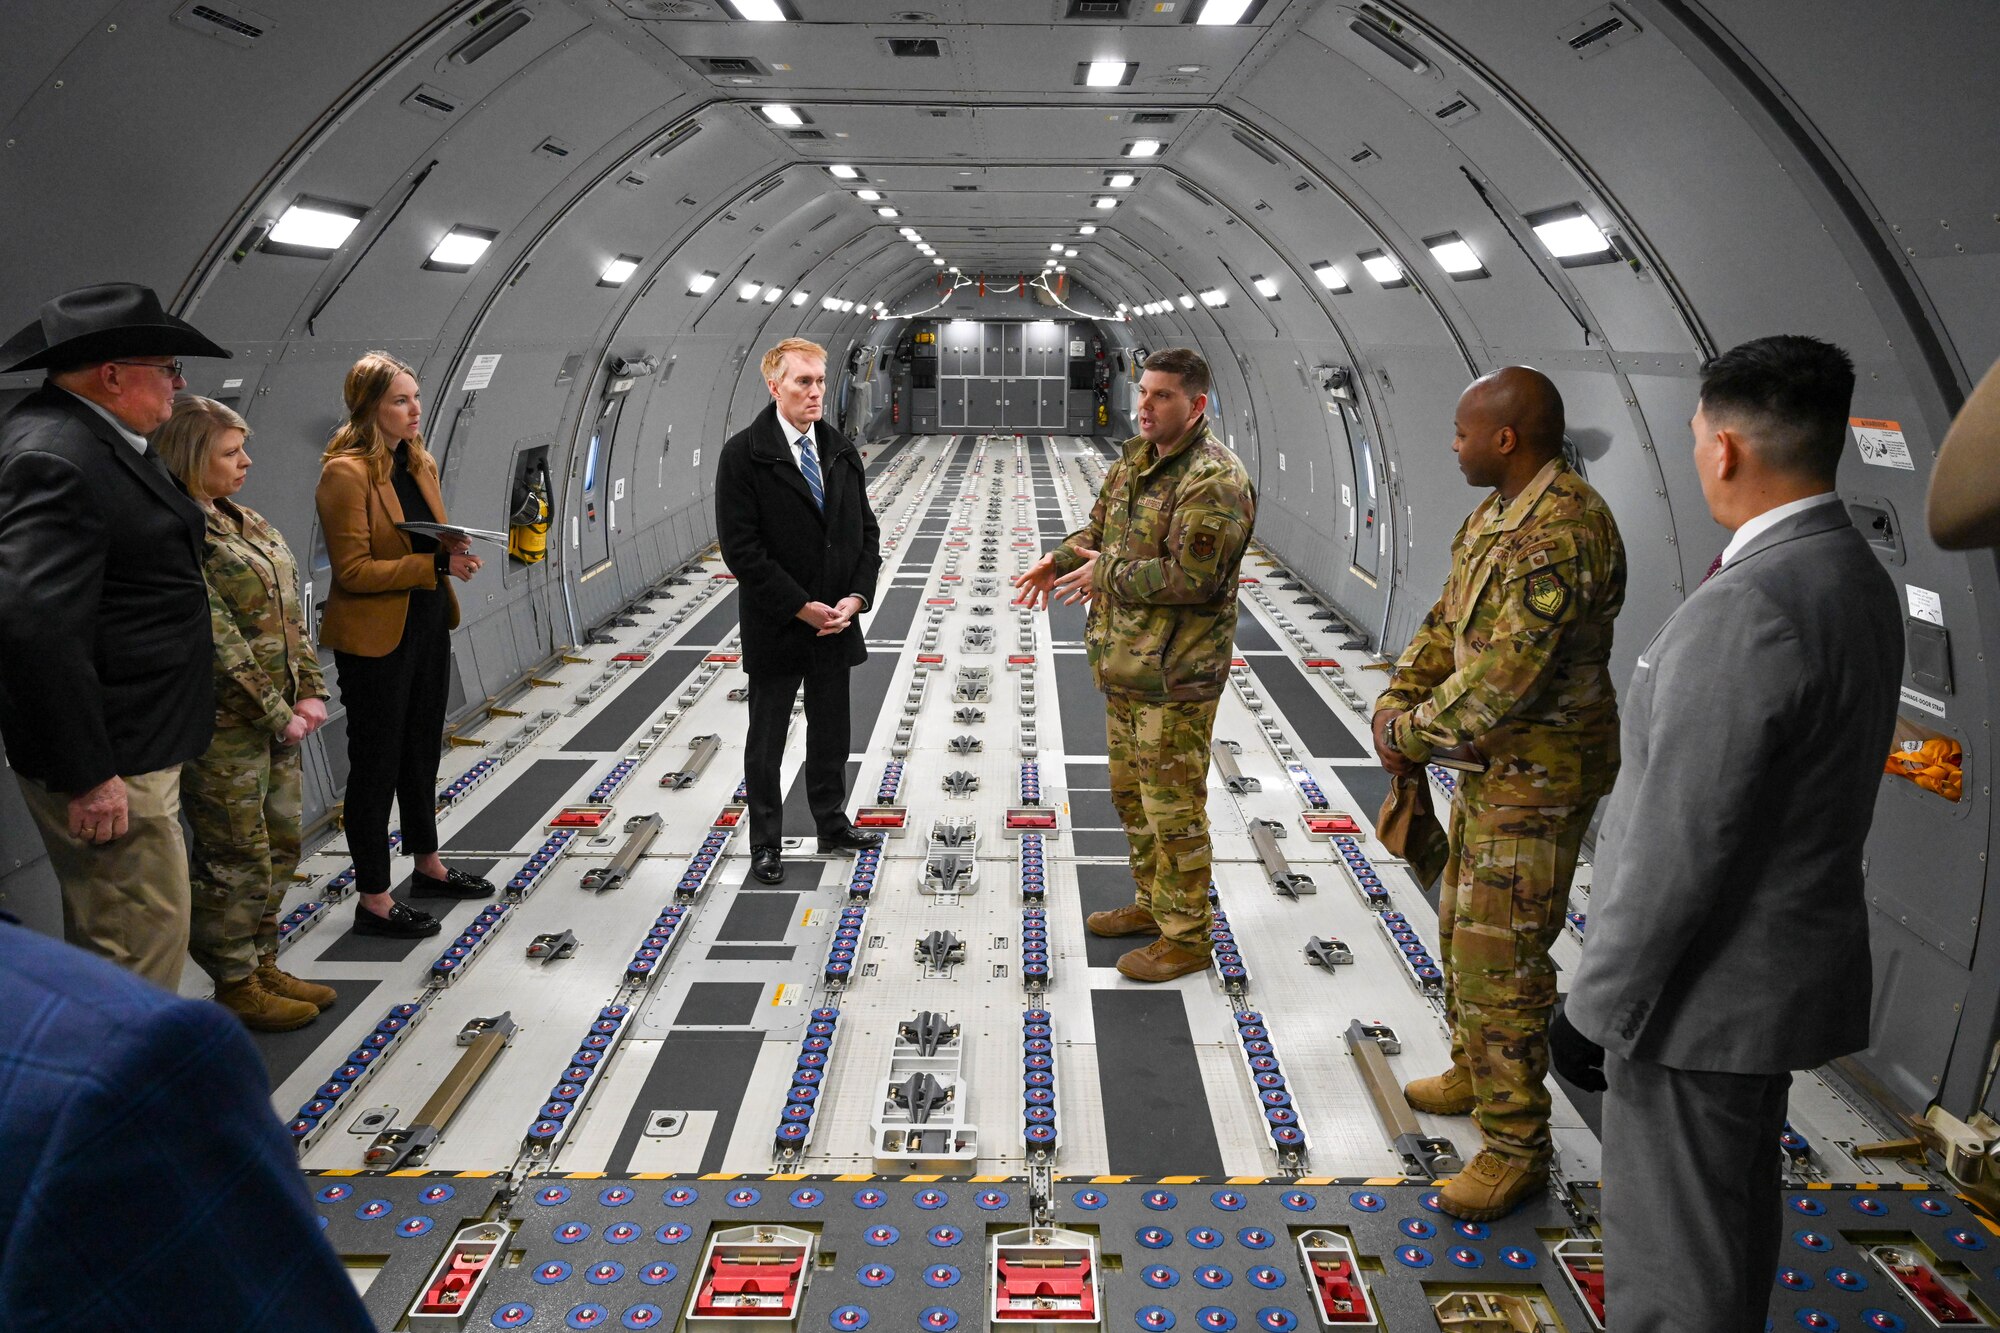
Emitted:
<point x="1575" y="1056"/>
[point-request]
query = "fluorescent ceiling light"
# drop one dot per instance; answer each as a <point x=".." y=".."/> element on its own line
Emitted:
<point x="845" y="173"/>
<point x="1105" y="73"/>
<point x="1570" y="234"/>
<point x="1453" y="255"/>
<point x="767" y="11"/>
<point x="771" y="294"/>
<point x="1087" y="229"/>
<point x="1214" y="297"/>
<point x="1069" y="254"/>
<point x="617" y="271"/>
<point x="1330" y="277"/>
<point x="315" y="227"/>
<point x="829" y="303"/>
<point x="1266" y="287"/>
<point x="909" y="233"/>
<point x="1062" y="268"/>
<point x="1056" y="248"/>
<point x="801" y="296"/>
<point x="1123" y="180"/>
<point x="887" y="212"/>
<point x="701" y="282"/>
<point x="460" y="249"/>
<point x="881" y="307"/>
<point x="1382" y="268"/>
<point x="1122" y="307"/>
<point x="781" y="115"/>
<point x="1143" y="148"/>
<point x="1105" y="202"/>
<point x="748" y="291"/>
<point x="1187" y="302"/>
<point x="1048" y="263"/>
<point x="1223" y="11"/>
<point x="868" y="196"/>
<point x="937" y="261"/>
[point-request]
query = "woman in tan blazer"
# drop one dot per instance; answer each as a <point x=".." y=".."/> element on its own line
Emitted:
<point x="388" y="618"/>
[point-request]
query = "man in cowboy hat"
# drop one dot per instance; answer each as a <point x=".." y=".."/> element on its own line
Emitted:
<point x="104" y="632"/>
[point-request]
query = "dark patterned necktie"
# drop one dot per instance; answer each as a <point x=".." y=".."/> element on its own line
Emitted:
<point x="809" y="464"/>
<point x="1712" y="567"/>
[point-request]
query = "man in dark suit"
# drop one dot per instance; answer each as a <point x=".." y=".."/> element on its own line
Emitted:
<point x="110" y="1087"/>
<point x="1729" y="871"/>
<point x="105" y="650"/>
<point x="791" y="509"/>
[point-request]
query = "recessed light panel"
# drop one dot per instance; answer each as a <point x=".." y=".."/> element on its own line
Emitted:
<point x="1330" y="277"/>
<point x="1214" y="297"/>
<point x="617" y="271"/>
<point x="1383" y="269"/>
<point x="1107" y="73"/>
<point x="460" y="249"/>
<point x="1143" y="148"/>
<point x="701" y="282"/>
<point x="782" y="115"/>
<point x="1266" y="287"/>
<point x="1572" y="237"/>
<point x="313" y="228"/>
<point x="1454" y="256"/>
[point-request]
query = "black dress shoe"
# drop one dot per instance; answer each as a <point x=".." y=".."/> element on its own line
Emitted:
<point x="455" y="884"/>
<point x="767" y="865"/>
<point x="848" y="838"/>
<point x="403" y="923"/>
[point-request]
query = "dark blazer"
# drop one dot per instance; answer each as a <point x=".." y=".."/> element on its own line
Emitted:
<point x="784" y="552"/>
<point x="105" y="656"/>
<point x="109" y="1085"/>
<point x="1728" y="883"/>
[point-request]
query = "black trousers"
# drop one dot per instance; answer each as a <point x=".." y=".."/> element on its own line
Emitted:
<point x="395" y="735"/>
<point x="827" y="741"/>
<point x="1691" y="1214"/>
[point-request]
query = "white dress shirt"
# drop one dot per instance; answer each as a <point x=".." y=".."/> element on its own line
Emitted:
<point x="132" y="437"/>
<point x="792" y="435"/>
<point x="1770" y="518"/>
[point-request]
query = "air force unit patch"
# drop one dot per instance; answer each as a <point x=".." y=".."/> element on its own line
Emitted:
<point x="1547" y="595"/>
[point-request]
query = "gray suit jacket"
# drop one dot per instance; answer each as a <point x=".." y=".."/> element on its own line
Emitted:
<point x="1727" y="927"/>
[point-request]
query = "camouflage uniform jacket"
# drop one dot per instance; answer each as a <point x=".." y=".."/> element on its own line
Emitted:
<point x="1515" y="656"/>
<point x="264" y="659"/>
<point x="1170" y="527"/>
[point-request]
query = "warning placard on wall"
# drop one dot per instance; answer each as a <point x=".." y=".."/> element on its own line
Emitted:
<point x="482" y="370"/>
<point x="1881" y="443"/>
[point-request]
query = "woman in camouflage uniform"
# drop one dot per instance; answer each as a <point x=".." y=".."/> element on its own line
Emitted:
<point x="242" y="797"/>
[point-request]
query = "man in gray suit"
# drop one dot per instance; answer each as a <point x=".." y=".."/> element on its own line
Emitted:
<point x="1729" y="882"/>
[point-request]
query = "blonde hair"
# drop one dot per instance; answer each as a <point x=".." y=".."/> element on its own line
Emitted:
<point x="367" y="385"/>
<point x="189" y="436"/>
<point x="774" y="360"/>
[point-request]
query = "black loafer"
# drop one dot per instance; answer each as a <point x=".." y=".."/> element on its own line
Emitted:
<point x="455" y="884"/>
<point x="767" y="865"/>
<point x="403" y="923"/>
<point x="849" y="839"/>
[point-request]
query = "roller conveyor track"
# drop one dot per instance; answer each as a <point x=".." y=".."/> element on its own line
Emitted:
<point x="763" y="1007"/>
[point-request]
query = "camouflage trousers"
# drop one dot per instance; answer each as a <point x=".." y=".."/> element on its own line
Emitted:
<point x="1500" y="907"/>
<point x="242" y="802"/>
<point x="1159" y="783"/>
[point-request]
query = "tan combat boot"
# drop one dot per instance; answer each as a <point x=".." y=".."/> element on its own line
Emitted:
<point x="1491" y="1186"/>
<point x="1162" y="960"/>
<point x="1131" y="919"/>
<point x="1449" y="1093"/>
<point x="260" y="1010"/>
<point x="291" y="987"/>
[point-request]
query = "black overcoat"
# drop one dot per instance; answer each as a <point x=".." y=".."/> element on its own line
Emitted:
<point x="105" y="648"/>
<point x="785" y="552"/>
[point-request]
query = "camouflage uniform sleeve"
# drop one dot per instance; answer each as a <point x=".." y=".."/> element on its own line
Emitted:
<point x="312" y="680"/>
<point x="1091" y="535"/>
<point x="1426" y="662"/>
<point x="1526" y="608"/>
<point x="1428" y="659"/>
<point x="1203" y="546"/>
<point x="242" y="686"/>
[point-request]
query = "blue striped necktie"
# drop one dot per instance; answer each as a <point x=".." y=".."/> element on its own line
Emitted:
<point x="809" y="464"/>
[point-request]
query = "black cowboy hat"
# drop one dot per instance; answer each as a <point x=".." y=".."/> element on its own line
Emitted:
<point x="102" y="323"/>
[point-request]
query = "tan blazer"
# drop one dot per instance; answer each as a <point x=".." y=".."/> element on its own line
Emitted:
<point x="374" y="567"/>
